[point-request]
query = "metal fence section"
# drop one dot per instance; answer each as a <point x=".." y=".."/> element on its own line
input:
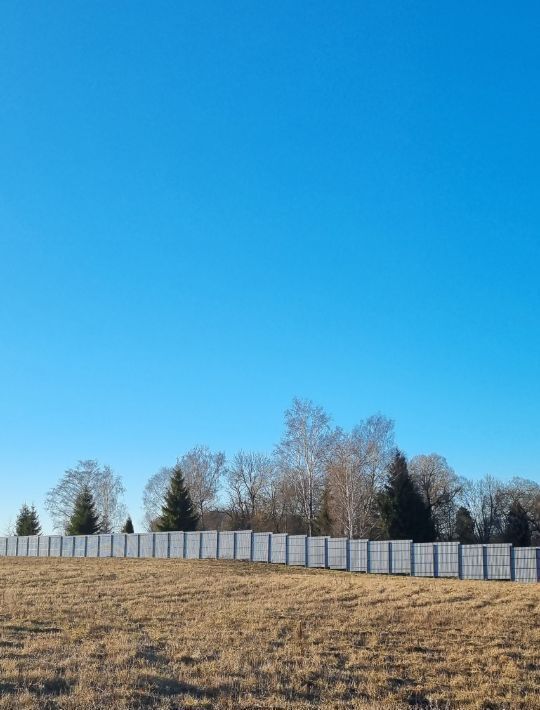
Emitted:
<point x="261" y="547"/>
<point x="209" y="544"/>
<point x="317" y="552"/>
<point x="92" y="546"/>
<point x="193" y="545"/>
<point x="243" y="545"/>
<point x="226" y="546"/>
<point x="400" y="556"/>
<point x="379" y="557"/>
<point x="526" y="564"/>
<point x="278" y="551"/>
<point x="338" y="553"/>
<point x="447" y="559"/>
<point x="105" y="545"/>
<point x="297" y="550"/>
<point x="499" y="561"/>
<point x="176" y="544"/>
<point x="423" y="559"/>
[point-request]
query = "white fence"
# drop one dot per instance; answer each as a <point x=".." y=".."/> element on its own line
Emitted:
<point x="430" y="559"/>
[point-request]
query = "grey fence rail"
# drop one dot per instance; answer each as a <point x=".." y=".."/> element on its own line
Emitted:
<point x="430" y="559"/>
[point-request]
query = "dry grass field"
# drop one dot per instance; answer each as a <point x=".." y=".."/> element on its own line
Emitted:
<point x="206" y="634"/>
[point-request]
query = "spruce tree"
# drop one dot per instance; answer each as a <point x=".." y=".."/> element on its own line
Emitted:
<point x="177" y="512"/>
<point x="27" y="522"/>
<point x="84" y="519"/>
<point x="517" y="529"/>
<point x="464" y="532"/>
<point x="403" y="510"/>
<point x="128" y="526"/>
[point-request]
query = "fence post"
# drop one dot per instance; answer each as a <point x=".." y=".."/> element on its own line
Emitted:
<point x="269" y="548"/>
<point x="348" y="553"/>
<point x="390" y="556"/>
<point x="435" y="560"/>
<point x="200" y="545"/>
<point x="512" y="564"/>
<point x="306" y="551"/>
<point x="251" y="546"/>
<point x="287" y="549"/>
<point x="98" y="546"/>
<point x="125" y="544"/>
<point x="235" y="544"/>
<point x="85" y="545"/>
<point x="217" y="544"/>
<point x="460" y="561"/>
<point x="484" y="562"/>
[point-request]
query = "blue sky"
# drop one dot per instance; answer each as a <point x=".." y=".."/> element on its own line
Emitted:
<point x="209" y="208"/>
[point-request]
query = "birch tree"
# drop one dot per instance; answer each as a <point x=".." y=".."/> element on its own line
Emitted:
<point x="203" y="470"/>
<point x="303" y="456"/>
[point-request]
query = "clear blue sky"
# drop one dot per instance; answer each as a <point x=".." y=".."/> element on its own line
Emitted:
<point x="208" y="208"/>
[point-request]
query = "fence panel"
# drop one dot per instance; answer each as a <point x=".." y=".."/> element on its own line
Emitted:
<point x="68" y="545"/>
<point x="22" y="546"/>
<point x="337" y="552"/>
<point x="278" y="552"/>
<point x="317" y="552"/>
<point x="80" y="546"/>
<point x="55" y="545"/>
<point x="226" y="545"/>
<point x="193" y="545"/>
<point x="261" y="546"/>
<point x="400" y="556"/>
<point x="243" y="545"/>
<point x="176" y="544"/>
<point x="527" y="564"/>
<point x="132" y="545"/>
<point x="423" y="560"/>
<point x="119" y="545"/>
<point x="472" y="562"/>
<point x="3" y="546"/>
<point x="12" y="546"/>
<point x="447" y="555"/>
<point x="92" y="546"/>
<point x="44" y="546"/>
<point x="358" y="555"/>
<point x="161" y="545"/>
<point x="209" y="544"/>
<point x="146" y="545"/>
<point x="498" y="561"/>
<point x="379" y="557"/>
<point x="105" y="545"/>
<point x="297" y="550"/>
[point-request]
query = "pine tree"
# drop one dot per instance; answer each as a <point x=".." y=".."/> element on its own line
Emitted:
<point x="464" y="532"/>
<point x="128" y="526"/>
<point x="517" y="529"/>
<point x="27" y="522"/>
<point x="84" y="519"/>
<point x="177" y="512"/>
<point x="403" y="510"/>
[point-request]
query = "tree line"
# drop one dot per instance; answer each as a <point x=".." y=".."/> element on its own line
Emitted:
<point x="319" y="480"/>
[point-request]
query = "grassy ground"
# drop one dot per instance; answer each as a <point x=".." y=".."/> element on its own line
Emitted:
<point x="207" y="634"/>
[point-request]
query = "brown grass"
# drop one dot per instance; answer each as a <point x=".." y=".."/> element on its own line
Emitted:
<point x="207" y="634"/>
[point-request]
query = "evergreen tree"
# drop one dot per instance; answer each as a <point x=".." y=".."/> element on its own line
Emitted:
<point x="403" y="510"/>
<point x="177" y="512"/>
<point x="84" y="519"/>
<point x="464" y="531"/>
<point x="517" y="529"/>
<point x="27" y="522"/>
<point x="128" y="526"/>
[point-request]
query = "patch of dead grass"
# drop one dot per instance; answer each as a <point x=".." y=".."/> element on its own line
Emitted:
<point x="212" y="634"/>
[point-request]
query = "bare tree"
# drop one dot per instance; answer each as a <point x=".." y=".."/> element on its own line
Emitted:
<point x="154" y="495"/>
<point x="249" y="480"/>
<point x="356" y="472"/>
<point x="485" y="499"/>
<point x="203" y="470"/>
<point x="440" y="487"/>
<point x="527" y="494"/>
<point x="106" y="488"/>
<point x="303" y="455"/>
